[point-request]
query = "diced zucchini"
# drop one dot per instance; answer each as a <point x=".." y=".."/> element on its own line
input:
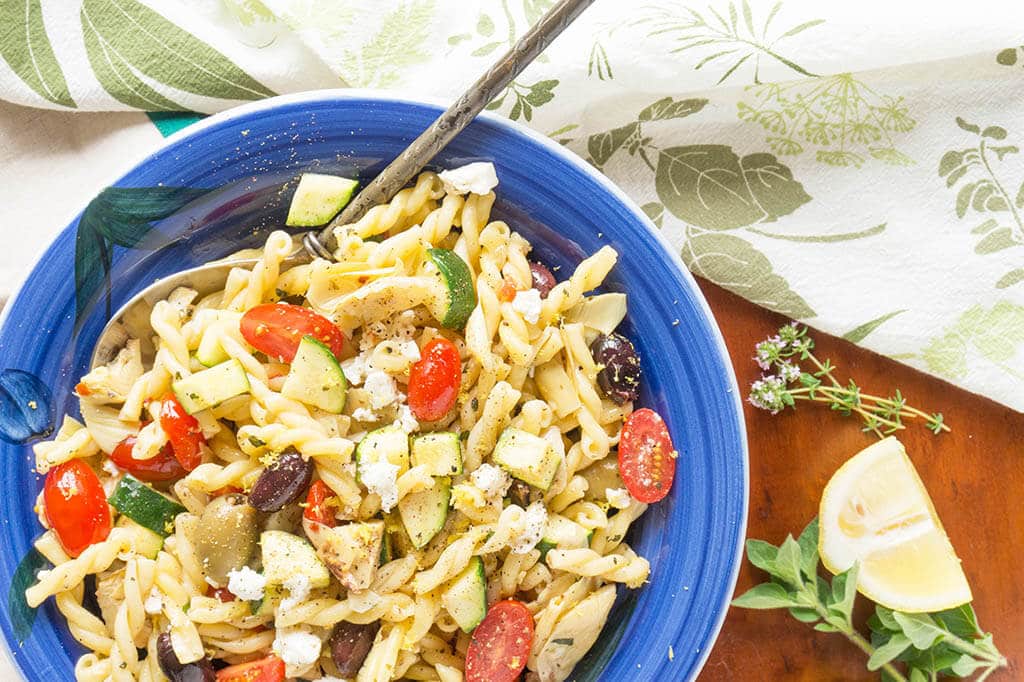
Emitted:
<point x="466" y="596"/>
<point x="460" y="296"/>
<point x="563" y="533"/>
<point x="265" y="605"/>
<point x="440" y="452"/>
<point x="387" y="444"/>
<point x="387" y="553"/>
<point x="147" y="507"/>
<point x="210" y="351"/>
<point x="423" y="513"/>
<point x="527" y="457"/>
<point x="318" y="198"/>
<point x="285" y="555"/>
<point x="315" y="377"/>
<point x="144" y="541"/>
<point x="211" y="387"/>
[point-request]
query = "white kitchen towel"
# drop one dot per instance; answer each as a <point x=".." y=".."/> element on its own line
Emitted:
<point x="853" y="165"/>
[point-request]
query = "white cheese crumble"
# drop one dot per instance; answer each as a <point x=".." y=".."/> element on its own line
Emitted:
<point x="355" y="369"/>
<point x="534" y="522"/>
<point x="111" y="468"/>
<point x="150" y="441"/>
<point x="154" y="603"/>
<point x="410" y="351"/>
<point x="297" y="647"/>
<point x="298" y="591"/>
<point x="364" y="414"/>
<point x="379" y="477"/>
<point x="382" y="388"/>
<point x="478" y="177"/>
<point x="246" y="584"/>
<point x="528" y="304"/>
<point x="406" y="419"/>
<point x="617" y="497"/>
<point x="492" y="481"/>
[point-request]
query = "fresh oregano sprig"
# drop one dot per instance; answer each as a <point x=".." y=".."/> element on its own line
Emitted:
<point x="789" y="381"/>
<point x="947" y="643"/>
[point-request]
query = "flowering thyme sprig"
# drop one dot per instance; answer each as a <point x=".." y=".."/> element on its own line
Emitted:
<point x="794" y="373"/>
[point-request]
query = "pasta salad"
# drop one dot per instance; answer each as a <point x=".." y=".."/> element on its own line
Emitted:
<point x="417" y="462"/>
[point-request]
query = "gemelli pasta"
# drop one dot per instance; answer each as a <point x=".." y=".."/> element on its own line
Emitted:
<point x="411" y="463"/>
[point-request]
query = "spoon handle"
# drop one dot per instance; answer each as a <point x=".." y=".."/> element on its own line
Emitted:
<point x="400" y="171"/>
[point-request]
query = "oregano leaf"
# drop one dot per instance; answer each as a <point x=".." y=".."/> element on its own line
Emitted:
<point x="888" y="651"/>
<point x="787" y="563"/>
<point x="805" y="614"/>
<point x="808" y="542"/>
<point x="920" y="628"/>
<point x="765" y="596"/>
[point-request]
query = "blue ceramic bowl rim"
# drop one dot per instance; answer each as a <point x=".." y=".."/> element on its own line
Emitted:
<point x="566" y="156"/>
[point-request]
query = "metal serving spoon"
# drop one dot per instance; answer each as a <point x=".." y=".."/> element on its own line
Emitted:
<point x="132" y="319"/>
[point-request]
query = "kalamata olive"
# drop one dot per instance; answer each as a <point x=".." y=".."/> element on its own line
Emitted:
<point x="284" y="481"/>
<point x="225" y="538"/>
<point x="543" y="280"/>
<point x="619" y="377"/>
<point x="350" y="643"/>
<point x="523" y="494"/>
<point x="200" y="671"/>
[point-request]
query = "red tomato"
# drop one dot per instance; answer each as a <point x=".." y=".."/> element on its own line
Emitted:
<point x="183" y="432"/>
<point x="163" y="467"/>
<point x="507" y="291"/>
<point x="221" y="593"/>
<point x="76" y="506"/>
<point x="647" y="459"/>
<point x="277" y="328"/>
<point x="317" y="507"/>
<point x="434" y="380"/>
<point x="269" y="669"/>
<point x="500" y="644"/>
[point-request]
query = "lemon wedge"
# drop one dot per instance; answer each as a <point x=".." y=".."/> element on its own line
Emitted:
<point x="875" y="511"/>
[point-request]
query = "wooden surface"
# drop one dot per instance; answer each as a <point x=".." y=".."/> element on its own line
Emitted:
<point x="975" y="476"/>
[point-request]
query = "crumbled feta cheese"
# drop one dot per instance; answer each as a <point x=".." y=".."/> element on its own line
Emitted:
<point x="298" y="591"/>
<point x="379" y="477"/>
<point x="410" y="351"/>
<point x="478" y="178"/>
<point x="150" y="441"/>
<point x="534" y="522"/>
<point x="246" y="584"/>
<point x="355" y="369"/>
<point x="382" y="388"/>
<point x="364" y="414"/>
<point x="527" y="303"/>
<point x="111" y="468"/>
<point x="492" y="481"/>
<point x="297" y="647"/>
<point x="617" y="497"/>
<point x="154" y="603"/>
<point x="363" y="601"/>
<point x="406" y="419"/>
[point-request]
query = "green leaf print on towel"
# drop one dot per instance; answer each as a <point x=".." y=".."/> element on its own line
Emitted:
<point x="125" y="40"/>
<point x="839" y="116"/>
<point x="996" y="334"/>
<point x="1011" y="56"/>
<point x="26" y="48"/>
<point x="982" y="191"/>
<point x="720" y="38"/>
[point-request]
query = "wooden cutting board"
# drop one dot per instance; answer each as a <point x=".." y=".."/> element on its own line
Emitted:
<point x="975" y="476"/>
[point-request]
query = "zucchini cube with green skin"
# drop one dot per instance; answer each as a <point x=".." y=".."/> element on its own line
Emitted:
<point x="211" y="387"/>
<point x="439" y="452"/>
<point x="144" y="541"/>
<point x="460" y="295"/>
<point x="387" y="444"/>
<point x="315" y="377"/>
<point x="285" y="555"/>
<point x="145" y="506"/>
<point x="527" y="457"/>
<point x="423" y="513"/>
<point x="318" y="198"/>
<point x="466" y="596"/>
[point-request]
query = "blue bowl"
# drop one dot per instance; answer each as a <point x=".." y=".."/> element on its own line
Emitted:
<point x="216" y="187"/>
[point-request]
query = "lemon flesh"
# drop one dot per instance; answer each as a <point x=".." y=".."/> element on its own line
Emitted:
<point x="875" y="511"/>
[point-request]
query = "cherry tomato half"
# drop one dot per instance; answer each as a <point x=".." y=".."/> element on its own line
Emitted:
<point x="163" y="467"/>
<point x="221" y="593"/>
<point x="277" y="328"/>
<point x="183" y="432"/>
<point x="317" y="507"/>
<point x="76" y="506"/>
<point x="647" y="459"/>
<point x="501" y="643"/>
<point x="269" y="669"/>
<point x="434" y="380"/>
